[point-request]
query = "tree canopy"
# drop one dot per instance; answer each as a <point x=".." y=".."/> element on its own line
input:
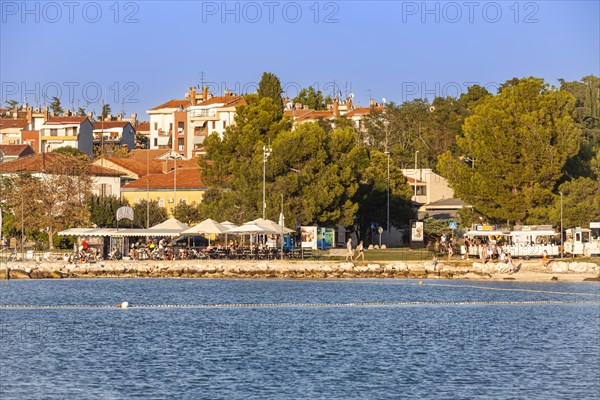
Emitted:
<point x="270" y="86"/>
<point x="313" y="99"/>
<point x="516" y="144"/>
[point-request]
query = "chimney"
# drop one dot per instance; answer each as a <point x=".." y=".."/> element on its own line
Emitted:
<point x="46" y="114"/>
<point x="349" y="102"/>
<point x="372" y="103"/>
<point x="67" y="113"/>
<point x="108" y="117"/>
<point x="204" y="93"/>
<point x="134" y="119"/>
<point x="192" y="95"/>
<point x="30" y="117"/>
<point x="90" y="116"/>
<point x="119" y="117"/>
<point x="15" y="112"/>
<point x="226" y="92"/>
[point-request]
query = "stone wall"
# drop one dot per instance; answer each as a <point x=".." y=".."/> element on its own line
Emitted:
<point x="271" y="269"/>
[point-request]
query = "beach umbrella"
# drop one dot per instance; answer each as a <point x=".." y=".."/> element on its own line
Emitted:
<point x="271" y="225"/>
<point x="228" y="225"/>
<point x="208" y="226"/>
<point x="251" y="229"/>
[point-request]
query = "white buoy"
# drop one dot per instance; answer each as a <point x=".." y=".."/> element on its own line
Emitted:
<point x="123" y="305"/>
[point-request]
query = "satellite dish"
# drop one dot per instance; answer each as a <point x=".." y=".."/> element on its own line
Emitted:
<point x="431" y="109"/>
<point x="383" y="101"/>
<point x="351" y="95"/>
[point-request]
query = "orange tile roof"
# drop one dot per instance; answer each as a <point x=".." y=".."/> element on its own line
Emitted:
<point x="144" y="154"/>
<point x="65" y="120"/>
<point x="173" y="104"/>
<point x="314" y="115"/>
<point x="50" y="163"/>
<point x="6" y="123"/>
<point x="142" y="126"/>
<point x="138" y="166"/>
<point x="15" y="149"/>
<point x="363" y="111"/>
<point x="187" y="178"/>
<point x="110" y="124"/>
<point x="226" y="100"/>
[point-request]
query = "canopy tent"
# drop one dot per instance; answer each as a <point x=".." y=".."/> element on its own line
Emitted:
<point x="170" y="227"/>
<point x="251" y="228"/>
<point x="271" y="225"/>
<point x="229" y="225"/>
<point x="208" y="226"/>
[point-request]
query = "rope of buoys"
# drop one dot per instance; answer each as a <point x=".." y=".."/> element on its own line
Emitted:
<point x="281" y="305"/>
<point x="422" y="283"/>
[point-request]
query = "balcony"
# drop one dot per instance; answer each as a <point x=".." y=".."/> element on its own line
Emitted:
<point x="203" y="114"/>
<point x="162" y="132"/>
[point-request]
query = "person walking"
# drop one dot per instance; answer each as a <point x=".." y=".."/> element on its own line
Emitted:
<point x="361" y="251"/>
<point x="350" y="252"/>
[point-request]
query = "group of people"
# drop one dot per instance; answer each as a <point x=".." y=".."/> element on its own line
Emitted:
<point x="152" y="250"/>
<point x="360" y="250"/>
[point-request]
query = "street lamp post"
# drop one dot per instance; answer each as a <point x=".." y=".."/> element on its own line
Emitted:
<point x="266" y="154"/>
<point x="388" y="199"/>
<point x="416" y="153"/>
<point x="562" y="243"/>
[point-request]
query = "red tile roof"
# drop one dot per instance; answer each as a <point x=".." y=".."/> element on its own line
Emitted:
<point x="50" y="163"/>
<point x="363" y="111"/>
<point x="137" y="166"/>
<point x="110" y="124"/>
<point x="228" y="101"/>
<point x="143" y="126"/>
<point x="187" y="178"/>
<point x="6" y="123"/>
<point x="173" y="104"/>
<point x="12" y="150"/>
<point x="65" y="120"/>
<point x="152" y="154"/>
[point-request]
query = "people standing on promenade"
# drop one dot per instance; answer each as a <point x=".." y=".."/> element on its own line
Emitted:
<point x="545" y="261"/>
<point x="509" y="264"/>
<point x="350" y="252"/>
<point x="450" y="251"/>
<point x="361" y="253"/>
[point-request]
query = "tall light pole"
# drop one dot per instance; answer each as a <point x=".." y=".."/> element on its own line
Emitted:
<point x="266" y="154"/>
<point x="416" y="153"/>
<point x="388" y="198"/>
<point x="562" y="244"/>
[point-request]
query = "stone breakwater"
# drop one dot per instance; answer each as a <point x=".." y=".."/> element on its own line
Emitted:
<point x="294" y="270"/>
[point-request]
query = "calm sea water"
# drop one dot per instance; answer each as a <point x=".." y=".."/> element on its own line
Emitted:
<point x="521" y="351"/>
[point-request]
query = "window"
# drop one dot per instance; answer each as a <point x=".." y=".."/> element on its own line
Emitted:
<point x="156" y="126"/>
<point x="53" y="132"/>
<point x="75" y="131"/>
<point x="214" y="124"/>
<point x="421" y="190"/>
<point x="180" y="144"/>
<point x="224" y="124"/>
<point x="170" y="127"/>
<point x="161" y="202"/>
<point x="180" y="127"/>
<point x="105" y="190"/>
<point x="155" y="142"/>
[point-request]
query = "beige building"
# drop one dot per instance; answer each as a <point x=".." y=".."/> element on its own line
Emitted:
<point x="432" y="193"/>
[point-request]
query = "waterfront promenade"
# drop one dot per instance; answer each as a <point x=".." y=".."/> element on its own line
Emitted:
<point x="526" y="270"/>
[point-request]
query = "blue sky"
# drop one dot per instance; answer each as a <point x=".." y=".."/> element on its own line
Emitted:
<point x="142" y="53"/>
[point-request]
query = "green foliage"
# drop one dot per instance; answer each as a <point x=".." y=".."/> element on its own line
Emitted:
<point x="270" y="86"/>
<point x="71" y="151"/>
<point x="587" y="116"/>
<point x="187" y="213"/>
<point x="581" y="203"/>
<point x="105" y="110"/>
<point x="55" y="106"/>
<point x="371" y="195"/>
<point x="520" y="140"/>
<point x="81" y="112"/>
<point x="313" y="99"/>
<point x="103" y="210"/>
<point x="157" y="214"/>
<point x="11" y="104"/>
<point x="435" y="228"/>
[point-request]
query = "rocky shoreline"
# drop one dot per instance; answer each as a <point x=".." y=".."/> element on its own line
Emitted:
<point x="526" y="270"/>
